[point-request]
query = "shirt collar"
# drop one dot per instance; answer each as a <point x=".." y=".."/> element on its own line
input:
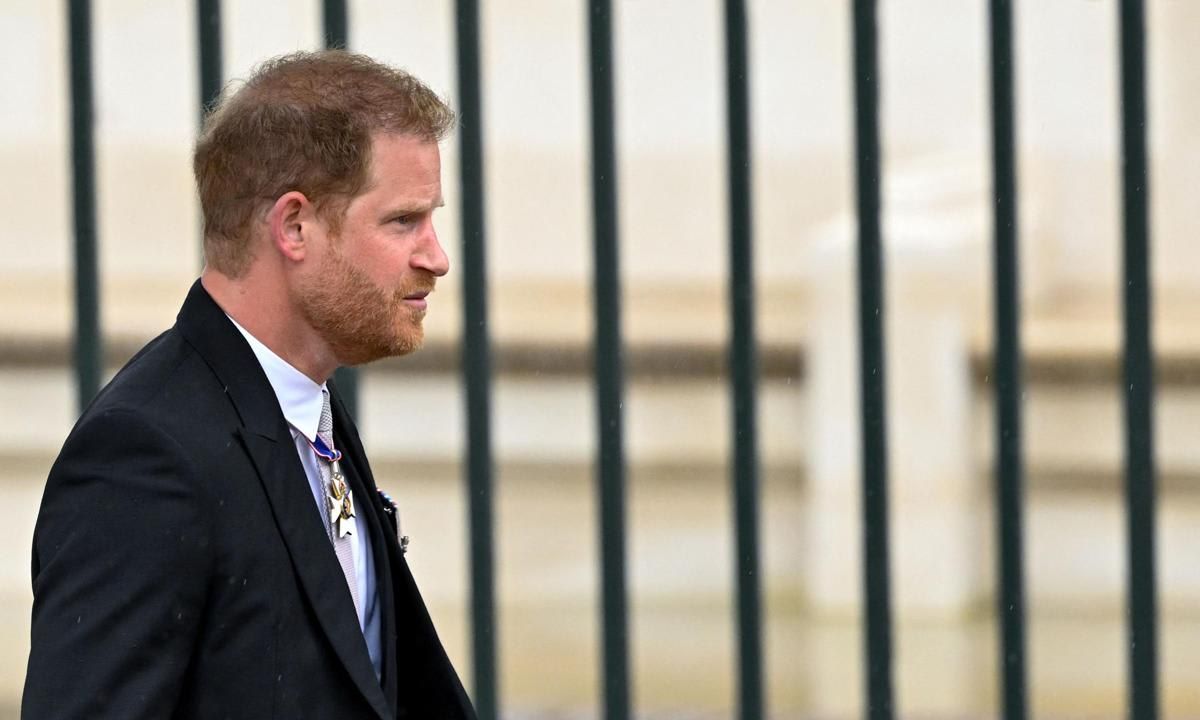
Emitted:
<point x="299" y="397"/>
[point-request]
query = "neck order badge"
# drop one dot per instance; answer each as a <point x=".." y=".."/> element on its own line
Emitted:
<point x="339" y="501"/>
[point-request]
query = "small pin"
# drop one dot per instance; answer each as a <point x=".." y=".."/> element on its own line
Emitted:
<point x="393" y="516"/>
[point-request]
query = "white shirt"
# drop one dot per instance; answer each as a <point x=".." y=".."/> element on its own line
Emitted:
<point x="300" y="399"/>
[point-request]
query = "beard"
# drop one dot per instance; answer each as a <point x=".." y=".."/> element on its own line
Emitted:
<point x="360" y="321"/>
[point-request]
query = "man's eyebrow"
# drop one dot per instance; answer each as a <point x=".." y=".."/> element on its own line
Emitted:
<point x="417" y="206"/>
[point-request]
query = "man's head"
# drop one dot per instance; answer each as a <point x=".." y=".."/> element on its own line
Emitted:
<point x="301" y="122"/>
<point x="318" y="179"/>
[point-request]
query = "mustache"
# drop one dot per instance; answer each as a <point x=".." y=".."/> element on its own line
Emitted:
<point x="424" y="285"/>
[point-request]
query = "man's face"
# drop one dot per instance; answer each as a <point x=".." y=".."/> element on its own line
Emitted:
<point x="367" y="294"/>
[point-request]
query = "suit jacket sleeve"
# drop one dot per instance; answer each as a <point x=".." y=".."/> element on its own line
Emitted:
<point x="120" y="568"/>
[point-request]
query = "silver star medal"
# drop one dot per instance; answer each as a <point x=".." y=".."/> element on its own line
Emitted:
<point x="340" y="502"/>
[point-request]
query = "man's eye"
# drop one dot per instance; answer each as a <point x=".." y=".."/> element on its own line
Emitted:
<point x="404" y="219"/>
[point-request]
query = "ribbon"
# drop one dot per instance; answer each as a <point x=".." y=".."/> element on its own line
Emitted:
<point x="320" y="448"/>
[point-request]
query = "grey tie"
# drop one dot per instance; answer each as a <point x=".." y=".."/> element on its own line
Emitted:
<point x="341" y="545"/>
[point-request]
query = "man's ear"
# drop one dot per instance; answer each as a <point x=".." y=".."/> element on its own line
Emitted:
<point x="287" y="224"/>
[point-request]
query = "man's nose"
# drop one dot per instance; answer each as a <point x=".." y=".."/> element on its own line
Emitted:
<point x="429" y="255"/>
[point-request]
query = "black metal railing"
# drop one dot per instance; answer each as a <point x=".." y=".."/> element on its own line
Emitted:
<point x="211" y="62"/>
<point x="88" y="348"/>
<point x="872" y="364"/>
<point x="1010" y="597"/>
<point x="743" y="367"/>
<point x="610" y="461"/>
<point x="1139" y="369"/>
<point x="335" y="23"/>
<point x="1138" y="386"/>
<point x="476" y="364"/>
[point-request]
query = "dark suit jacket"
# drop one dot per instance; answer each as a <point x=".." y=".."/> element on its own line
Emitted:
<point x="181" y="568"/>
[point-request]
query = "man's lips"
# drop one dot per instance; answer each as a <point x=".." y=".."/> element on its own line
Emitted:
<point x="417" y="300"/>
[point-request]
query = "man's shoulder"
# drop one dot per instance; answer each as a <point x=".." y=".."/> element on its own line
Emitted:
<point x="165" y="383"/>
<point x="164" y="412"/>
<point x="142" y="378"/>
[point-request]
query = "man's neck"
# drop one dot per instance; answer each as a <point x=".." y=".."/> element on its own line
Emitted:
<point x="262" y="306"/>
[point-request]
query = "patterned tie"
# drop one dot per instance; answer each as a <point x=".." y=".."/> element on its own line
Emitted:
<point x="341" y="543"/>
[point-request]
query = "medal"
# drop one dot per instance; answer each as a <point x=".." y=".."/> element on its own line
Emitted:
<point x="340" y="502"/>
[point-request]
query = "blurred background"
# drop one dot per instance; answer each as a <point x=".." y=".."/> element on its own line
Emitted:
<point x="671" y="134"/>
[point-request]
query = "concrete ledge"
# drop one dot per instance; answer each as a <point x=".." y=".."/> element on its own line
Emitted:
<point x="516" y="358"/>
<point x="648" y="360"/>
<point x="1082" y="369"/>
<point x="1041" y="481"/>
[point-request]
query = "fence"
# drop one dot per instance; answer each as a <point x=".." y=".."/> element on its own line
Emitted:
<point x="742" y="350"/>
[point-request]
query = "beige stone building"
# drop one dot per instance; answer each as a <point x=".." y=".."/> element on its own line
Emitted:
<point x="670" y="113"/>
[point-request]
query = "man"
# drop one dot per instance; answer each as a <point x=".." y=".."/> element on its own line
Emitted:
<point x="211" y="543"/>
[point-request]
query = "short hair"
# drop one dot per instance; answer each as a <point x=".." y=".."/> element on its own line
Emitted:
<point x="303" y="122"/>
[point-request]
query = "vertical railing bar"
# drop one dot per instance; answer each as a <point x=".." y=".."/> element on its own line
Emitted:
<point x="336" y="23"/>
<point x="743" y="365"/>
<point x="209" y="53"/>
<point x="335" y="19"/>
<point x="874" y="419"/>
<point x="1009" y="462"/>
<point x="1139" y="370"/>
<point x="476" y="363"/>
<point x="88" y="351"/>
<point x="208" y="25"/>
<point x="608" y="365"/>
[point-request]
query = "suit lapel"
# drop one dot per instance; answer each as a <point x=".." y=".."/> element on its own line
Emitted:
<point x="362" y="484"/>
<point x="313" y="558"/>
<point x="269" y="444"/>
<point x="423" y="681"/>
